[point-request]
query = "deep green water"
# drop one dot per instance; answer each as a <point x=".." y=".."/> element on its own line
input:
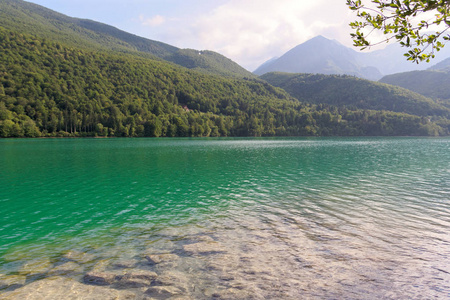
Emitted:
<point x="320" y="218"/>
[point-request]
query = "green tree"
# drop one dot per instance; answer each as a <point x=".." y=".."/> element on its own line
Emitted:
<point x="153" y="127"/>
<point x="30" y="129"/>
<point x="407" y="21"/>
<point x="6" y="128"/>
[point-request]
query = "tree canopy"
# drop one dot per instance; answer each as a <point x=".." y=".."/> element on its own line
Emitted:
<point x="417" y="24"/>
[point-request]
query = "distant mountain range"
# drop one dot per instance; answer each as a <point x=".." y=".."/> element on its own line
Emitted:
<point x="323" y="56"/>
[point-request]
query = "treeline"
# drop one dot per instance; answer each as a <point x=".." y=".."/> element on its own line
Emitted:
<point x="48" y="89"/>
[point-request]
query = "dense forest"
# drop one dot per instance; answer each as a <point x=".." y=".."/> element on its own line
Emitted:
<point x="355" y="93"/>
<point x="51" y="89"/>
<point x="431" y="83"/>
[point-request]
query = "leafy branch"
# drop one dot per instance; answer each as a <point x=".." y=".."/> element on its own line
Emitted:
<point x="403" y="21"/>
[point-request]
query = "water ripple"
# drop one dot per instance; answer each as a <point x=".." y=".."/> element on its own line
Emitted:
<point x="296" y="218"/>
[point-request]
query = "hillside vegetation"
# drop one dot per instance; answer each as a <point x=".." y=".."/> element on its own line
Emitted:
<point x="29" y="18"/>
<point x="430" y="83"/>
<point x="48" y="88"/>
<point x="355" y="93"/>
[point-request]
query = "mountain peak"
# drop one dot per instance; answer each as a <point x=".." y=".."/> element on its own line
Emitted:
<point x="320" y="38"/>
<point x="323" y="40"/>
<point x="320" y="55"/>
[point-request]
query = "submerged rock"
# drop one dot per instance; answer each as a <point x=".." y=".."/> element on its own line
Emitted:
<point x="99" y="278"/>
<point x="232" y="294"/>
<point x="204" y="248"/>
<point x="12" y="281"/>
<point x="161" y="258"/>
<point x="57" y="288"/>
<point x="126" y="264"/>
<point x="136" y="279"/>
<point x="226" y="277"/>
<point x="163" y="292"/>
<point x="224" y="263"/>
<point x="79" y="257"/>
<point x="101" y="265"/>
<point x="141" y="274"/>
<point x="65" y="269"/>
<point x="130" y="283"/>
<point x="35" y="267"/>
<point x="172" y="278"/>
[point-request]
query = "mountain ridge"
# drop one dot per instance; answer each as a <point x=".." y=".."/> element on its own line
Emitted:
<point x="349" y="91"/>
<point x="41" y="21"/>
<point x="431" y="83"/>
<point x="441" y="66"/>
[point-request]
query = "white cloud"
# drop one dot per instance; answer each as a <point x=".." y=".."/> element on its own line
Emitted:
<point x="154" y="21"/>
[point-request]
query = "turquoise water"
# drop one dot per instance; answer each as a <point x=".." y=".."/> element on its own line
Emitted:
<point x="319" y="218"/>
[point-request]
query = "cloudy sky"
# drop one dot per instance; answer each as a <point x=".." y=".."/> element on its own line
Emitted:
<point x="247" y="31"/>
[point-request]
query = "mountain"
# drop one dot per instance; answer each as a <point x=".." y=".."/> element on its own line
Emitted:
<point x="348" y="91"/>
<point x="320" y="55"/>
<point x="430" y="83"/>
<point x="433" y="82"/>
<point x="37" y="20"/>
<point x="441" y="66"/>
<point x="268" y="62"/>
<point x="323" y="56"/>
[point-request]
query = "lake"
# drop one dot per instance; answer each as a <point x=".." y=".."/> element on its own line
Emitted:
<point x="229" y="218"/>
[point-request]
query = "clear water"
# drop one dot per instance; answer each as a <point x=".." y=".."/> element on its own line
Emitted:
<point x="295" y="218"/>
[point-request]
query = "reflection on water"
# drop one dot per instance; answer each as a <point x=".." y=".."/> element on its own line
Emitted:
<point x="229" y="218"/>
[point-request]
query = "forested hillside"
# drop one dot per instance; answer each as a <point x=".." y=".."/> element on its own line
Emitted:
<point x="48" y="88"/>
<point x="430" y="83"/>
<point x="355" y="93"/>
<point x="29" y="18"/>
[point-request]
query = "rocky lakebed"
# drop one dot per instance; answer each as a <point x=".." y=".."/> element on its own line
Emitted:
<point x="190" y="266"/>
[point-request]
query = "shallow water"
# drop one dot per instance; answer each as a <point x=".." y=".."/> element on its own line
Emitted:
<point x="285" y="218"/>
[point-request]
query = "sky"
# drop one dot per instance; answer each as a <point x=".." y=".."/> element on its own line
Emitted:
<point x="249" y="32"/>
